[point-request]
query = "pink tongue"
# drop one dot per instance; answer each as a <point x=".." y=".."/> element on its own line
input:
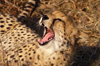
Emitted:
<point x="47" y="37"/>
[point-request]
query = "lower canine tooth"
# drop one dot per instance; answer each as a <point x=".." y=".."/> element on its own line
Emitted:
<point x="41" y="42"/>
<point x="50" y="38"/>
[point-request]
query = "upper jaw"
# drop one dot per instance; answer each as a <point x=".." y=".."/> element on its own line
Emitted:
<point x="48" y="34"/>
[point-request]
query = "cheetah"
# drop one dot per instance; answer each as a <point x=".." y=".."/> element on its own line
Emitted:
<point x="23" y="47"/>
<point x="14" y="33"/>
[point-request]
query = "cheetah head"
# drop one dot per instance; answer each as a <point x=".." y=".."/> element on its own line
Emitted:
<point x="54" y="27"/>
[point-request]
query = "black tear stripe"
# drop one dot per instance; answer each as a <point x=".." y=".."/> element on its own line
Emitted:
<point x="27" y="11"/>
<point x="59" y="20"/>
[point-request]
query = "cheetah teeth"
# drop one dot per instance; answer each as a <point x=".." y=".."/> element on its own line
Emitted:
<point x="50" y="39"/>
<point x="44" y="32"/>
<point x="40" y="21"/>
<point x="41" y="42"/>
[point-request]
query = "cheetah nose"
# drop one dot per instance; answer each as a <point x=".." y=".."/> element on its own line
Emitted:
<point x="45" y="17"/>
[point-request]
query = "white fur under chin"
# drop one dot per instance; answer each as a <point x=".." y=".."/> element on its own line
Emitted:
<point x="53" y="45"/>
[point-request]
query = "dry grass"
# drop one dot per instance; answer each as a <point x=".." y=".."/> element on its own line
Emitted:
<point x="85" y="15"/>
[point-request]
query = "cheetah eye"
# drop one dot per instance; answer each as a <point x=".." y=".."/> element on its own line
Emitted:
<point x="45" y="17"/>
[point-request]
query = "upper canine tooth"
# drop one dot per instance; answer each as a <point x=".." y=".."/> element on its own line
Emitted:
<point x="40" y="21"/>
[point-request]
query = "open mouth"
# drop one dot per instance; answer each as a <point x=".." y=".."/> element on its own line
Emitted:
<point x="48" y="36"/>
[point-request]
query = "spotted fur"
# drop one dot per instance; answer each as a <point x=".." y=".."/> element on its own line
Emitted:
<point x="14" y="34"/>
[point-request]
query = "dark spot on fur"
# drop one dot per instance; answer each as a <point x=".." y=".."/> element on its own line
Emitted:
<point x="5" y="59"/>
<point x="8" y="18"/>
<point x="12" y="50"/>
<point x="20" y="56"/>
<point x="55" y="51"/>
<point x="64" y="33"/>
<point x="12" y="21"/>
<point x="25" y="14"/>
<point x="9" y="43"/>
<point x="22" y="32"/>
<point x="38" y="57"/>
<point x="24" y="64"/>
<point x="24" y="46"/>
<point x="6" y="52"/>
<point x="10" y="37"/>
<point x="10" y="24"/>
<point x="64" y="59"/>
<point x="35" y="37"/>
<point x="22" y="59"/>
<point x="32" y="49"/>
<point x="36" y="63"/>
<point x="28" y="35"/>
<point x="32" y="4"/>
<point x="8" y="27"/>
<point x="11" y="56"/>
<point x="20" y="51"/>
<point x="64" y="42"/>
<point x="11" y="16"/>
<point x="32" y="39"/>
<point x="30" y="58"/>
<point x="27" y="6"/>
<point x="29" y="54"/>
<point x="52" y="64"/>
<point x="61" y="63"/>
<point x="15" y="37"/>
<point x="65" y="38"/>
<point x="33" y="44"/>
<point x="68" y="42"/>
<point x="16" y="60"/>
<point x="21" y="29"/>
<point x="36" y="40"/>
<point x="10" y="46"/>
<point x="1" y="18"/>
<point x="18" y="34"/>
<point x="58" y="58"/>
<point x="25" y="52"/>
<point x="34" y="52"/>
<point x="27" y="11"/>
<point x="62" y="45"/>
<point x="1" y="26"/>
<point x="48" y="58"/>
<point x="2" y="30"/>
<point x="61" y="52"/>
<point x="5" y="42"/>
<point x="9" y="61"/>
<point x="22" y="37"/>
<point x="53" y="57"/>
<point x="32" y="35"/>
<point x="1" y="21"/>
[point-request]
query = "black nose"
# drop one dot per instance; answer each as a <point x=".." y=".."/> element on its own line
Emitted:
<point x="45" y="17"/>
